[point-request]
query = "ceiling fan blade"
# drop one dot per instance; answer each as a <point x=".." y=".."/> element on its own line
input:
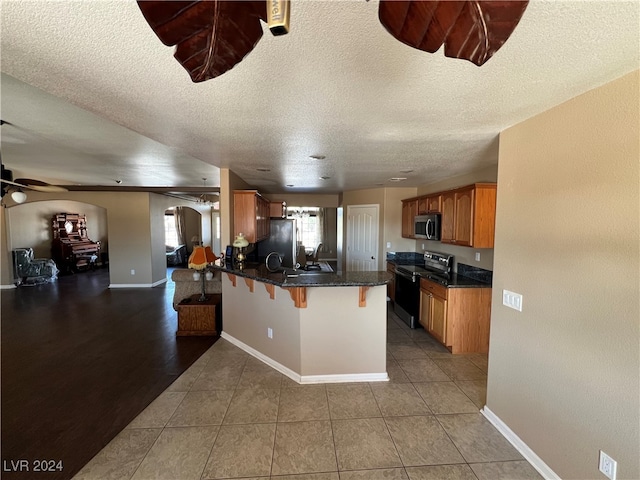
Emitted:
<point x="211" y="37"/>
<point x="472" y="30"/>
<point x="37" y="185"/>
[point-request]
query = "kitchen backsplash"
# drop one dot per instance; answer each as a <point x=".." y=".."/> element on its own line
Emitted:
<point x="408" y="258"/>
<point x="476" y="273"/>
<point x="415" y="258"/>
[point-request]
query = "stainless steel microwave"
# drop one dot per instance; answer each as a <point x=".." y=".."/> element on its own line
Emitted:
<point x="427" y="226"/>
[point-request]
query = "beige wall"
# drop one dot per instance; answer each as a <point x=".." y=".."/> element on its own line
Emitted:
<point x="393" y="220"/>
<point x="246" y="317"/>
<point x="462" y="254"/>
<point x="564" y="373"/>
<point x="350" y="342"/>
<point x="135" y="239"/>
<point x="315" y="340"/>
<point x="30" y="224"/>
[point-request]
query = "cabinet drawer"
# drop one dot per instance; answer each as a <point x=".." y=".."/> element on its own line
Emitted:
<point x="433" y="288"/>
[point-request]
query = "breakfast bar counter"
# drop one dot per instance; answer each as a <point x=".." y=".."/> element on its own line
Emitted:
<point x="313" y="327"/>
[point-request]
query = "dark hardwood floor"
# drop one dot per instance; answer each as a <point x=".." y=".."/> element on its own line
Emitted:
<point x="79" y="362"/>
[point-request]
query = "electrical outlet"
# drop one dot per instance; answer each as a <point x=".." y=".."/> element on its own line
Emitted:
<point x="477" y="256"/>
<point x="423" y="246"/>
<point x="270" y="332"/>
<point x="512" y="300"/>
<point x="388" y="244"/>
<point x="133" y="272"/>
<point x="607" y="465"/>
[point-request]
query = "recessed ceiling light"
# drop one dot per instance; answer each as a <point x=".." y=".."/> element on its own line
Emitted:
<point x="406" y="171"/>
<point x="263" y="169"/>
<point x="318" y="157"/>
<point x="397" y="179"/>
<point x="325" y="178"/>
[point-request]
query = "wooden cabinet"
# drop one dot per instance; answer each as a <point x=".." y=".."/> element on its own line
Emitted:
<point x="468" y="216"/>
<point x="434" y="204"/>
<point x="251" y="213"/>
<point x="448" y="217"/>
<point x="430" y="204"/>
<point x="463" y="217"/>
<point x="409" y="211"/>
<point x="433" y="311"/>
<point x="457" y="317"/>
<point x="423" y="205"/>
<point x="391" y="286"/>
<point x="278" y="209"/>
<point x="196" y="317"/>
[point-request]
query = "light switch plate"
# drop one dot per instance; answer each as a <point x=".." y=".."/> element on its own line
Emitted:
<point x="512" y="300"/>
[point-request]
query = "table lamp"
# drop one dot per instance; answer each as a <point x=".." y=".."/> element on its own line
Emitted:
<point x="240" y="243"/>
<point x="199" y="260"/>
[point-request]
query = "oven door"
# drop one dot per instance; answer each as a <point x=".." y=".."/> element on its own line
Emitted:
<point x="407" y="301"/>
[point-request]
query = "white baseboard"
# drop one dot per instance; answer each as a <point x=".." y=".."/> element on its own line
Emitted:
<point x="346" y="378"/>
<point x="535" y="461"/>
<point x="137" y="285"/>
<point x="269" y="361"/>
<point x="306" y="379"/>
<point x="8" y="287"/>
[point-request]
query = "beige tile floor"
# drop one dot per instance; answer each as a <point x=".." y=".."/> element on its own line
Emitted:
<point x="231" y="416"/>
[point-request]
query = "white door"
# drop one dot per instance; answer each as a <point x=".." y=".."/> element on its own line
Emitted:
<point x="362" y="238"/>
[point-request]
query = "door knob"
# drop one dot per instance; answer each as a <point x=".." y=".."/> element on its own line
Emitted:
<point x="373" y="258"/>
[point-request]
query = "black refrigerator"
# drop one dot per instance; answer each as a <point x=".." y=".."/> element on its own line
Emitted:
<point x="282" y="239"/>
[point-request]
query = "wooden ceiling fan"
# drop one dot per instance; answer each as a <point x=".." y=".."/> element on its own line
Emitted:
<point x="212" y="36"/>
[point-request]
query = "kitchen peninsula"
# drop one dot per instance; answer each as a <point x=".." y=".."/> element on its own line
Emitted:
<point x="312" y="327"/>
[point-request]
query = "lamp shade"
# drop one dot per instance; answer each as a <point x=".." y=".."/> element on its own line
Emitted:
<point x="240" y="241"/>
<point x="19" y="196"/>
<point x="198" y="258"/>
<point x="211" y="257"/>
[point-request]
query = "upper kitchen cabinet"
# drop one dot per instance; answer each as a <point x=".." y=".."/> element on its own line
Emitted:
<point x="251" y="212"/>
<point x="430" y="204"/>
<point x="468" y="216"/>
<point x="409" y="211"/>
<point x="278" y="209"/>
<point x="434" y="204"/>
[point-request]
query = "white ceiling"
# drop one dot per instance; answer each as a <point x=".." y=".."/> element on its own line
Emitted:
<point x="95" y="97"/>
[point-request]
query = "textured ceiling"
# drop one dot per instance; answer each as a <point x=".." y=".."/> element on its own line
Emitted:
<point x="94" y="96"/>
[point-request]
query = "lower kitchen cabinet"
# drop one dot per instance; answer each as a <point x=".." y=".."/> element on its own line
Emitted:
<point x="456" y="317"/>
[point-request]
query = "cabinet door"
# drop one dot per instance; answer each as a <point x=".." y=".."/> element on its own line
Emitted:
<point x="278" y="209"/>
<point x="244" y="214"/>
<point x="448" y="217"/>
<point x="425" y="310"/>
<point x="434" y="204"/>
<point x="438" y="319"/>
<point x="464" y="217"/>
<point x="408" y="213"/>
<point x="423" y="205"/>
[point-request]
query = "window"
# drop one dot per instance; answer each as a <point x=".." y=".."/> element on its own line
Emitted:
<point x="308" y="224"/>
<point x="170" y="232"/>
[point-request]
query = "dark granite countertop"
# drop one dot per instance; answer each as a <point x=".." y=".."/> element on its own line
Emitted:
<point x="456" y="280"/>
<point x="296" y="278"/>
